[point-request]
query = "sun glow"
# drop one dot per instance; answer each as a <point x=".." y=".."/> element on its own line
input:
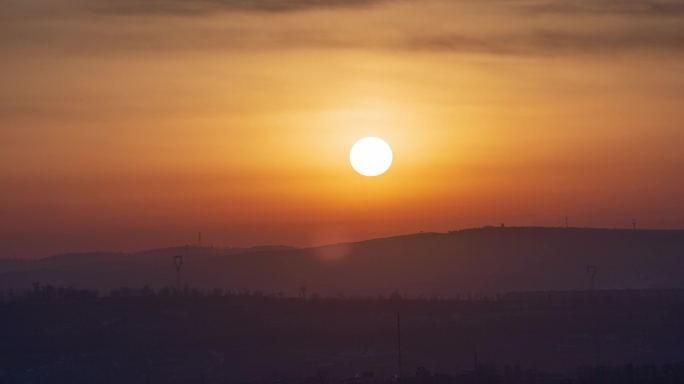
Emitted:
<point x="371" y="156"/>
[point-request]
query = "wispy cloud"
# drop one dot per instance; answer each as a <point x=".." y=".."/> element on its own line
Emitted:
<point x="550" y="42"/>
<point x="185" y="7"/>
<point x="605" y="7"/>
<point x="510" y="27"/>
<point x="666" y="8"/>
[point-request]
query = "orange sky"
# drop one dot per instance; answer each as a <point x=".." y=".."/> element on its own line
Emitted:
<point x="127" y="125"/>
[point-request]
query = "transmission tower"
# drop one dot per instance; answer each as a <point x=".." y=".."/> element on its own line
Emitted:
<point x="591" y="272"/>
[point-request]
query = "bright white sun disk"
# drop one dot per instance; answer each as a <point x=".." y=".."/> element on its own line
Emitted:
<point x="371" y="156"/>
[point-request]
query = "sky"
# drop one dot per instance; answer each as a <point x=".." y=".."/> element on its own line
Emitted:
<point x="128" y="125"/>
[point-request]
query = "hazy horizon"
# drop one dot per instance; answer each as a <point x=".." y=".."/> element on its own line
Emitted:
<point x="248" y="247"/>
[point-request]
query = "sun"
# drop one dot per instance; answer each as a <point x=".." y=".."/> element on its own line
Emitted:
<point x="371" y="156"/>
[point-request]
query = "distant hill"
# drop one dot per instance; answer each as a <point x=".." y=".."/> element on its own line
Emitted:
<point x="477" y="261"/>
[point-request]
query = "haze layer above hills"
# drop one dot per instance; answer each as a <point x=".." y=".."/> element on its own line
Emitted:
<point x="479" y="261"/>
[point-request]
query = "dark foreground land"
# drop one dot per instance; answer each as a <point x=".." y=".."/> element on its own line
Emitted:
<point x="54" y="335"/>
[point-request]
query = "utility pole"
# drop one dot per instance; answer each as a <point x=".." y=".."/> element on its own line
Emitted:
<point x="566" y="221"/>
<point x="475" y="370"/>
<point x="399" y="343"/>
<point x="634" y="224"/>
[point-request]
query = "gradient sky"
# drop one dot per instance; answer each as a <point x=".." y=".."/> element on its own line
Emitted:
<point x="128" y="124"/>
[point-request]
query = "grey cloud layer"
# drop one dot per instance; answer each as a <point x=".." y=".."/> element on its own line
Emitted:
<point x="625" y="7"/>
<point x="606" y="7"/>
<point x="577" y="26"/>
<point x="181" y="7"/>
<point x="552" y="42"/>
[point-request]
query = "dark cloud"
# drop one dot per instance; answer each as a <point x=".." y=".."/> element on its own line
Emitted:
<point x="535" y="43"/>
<point x="506" y="28"/>
<point x="553" y="42"/>
<point x="199" y="7"/>
<point x="606" y="7"/>
<point x="664" y="8"/>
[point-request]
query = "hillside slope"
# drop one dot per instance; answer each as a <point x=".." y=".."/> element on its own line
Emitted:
<point x="480" y="261"/>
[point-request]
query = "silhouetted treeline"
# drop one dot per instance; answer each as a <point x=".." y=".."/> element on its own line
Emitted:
<point x="654" y="298"/>
<point x="594" y="298"/>
<point x="48" y="292"/>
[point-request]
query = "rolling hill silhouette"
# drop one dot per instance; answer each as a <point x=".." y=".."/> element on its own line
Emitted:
<point x="480" y="261"/>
